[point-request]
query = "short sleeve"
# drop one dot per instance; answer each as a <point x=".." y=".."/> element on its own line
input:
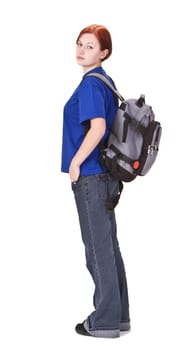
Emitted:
<point x="91" y="100"/>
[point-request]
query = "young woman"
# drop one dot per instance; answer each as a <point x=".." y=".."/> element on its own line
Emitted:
<point x="93" y="105"/>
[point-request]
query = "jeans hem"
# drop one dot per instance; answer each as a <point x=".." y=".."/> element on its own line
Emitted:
<point x="102" y="333"/>
<point x="125" y="326"/>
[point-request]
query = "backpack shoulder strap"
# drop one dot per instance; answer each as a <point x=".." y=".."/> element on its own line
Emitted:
<point x="106" y="81"/>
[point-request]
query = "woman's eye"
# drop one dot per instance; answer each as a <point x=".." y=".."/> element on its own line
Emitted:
<point x="90" y="47"/>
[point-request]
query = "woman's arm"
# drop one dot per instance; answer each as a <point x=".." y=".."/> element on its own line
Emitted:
<point x="91" y="140"/>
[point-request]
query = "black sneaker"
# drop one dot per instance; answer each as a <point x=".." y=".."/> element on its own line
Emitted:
<point x="81" y="330"/>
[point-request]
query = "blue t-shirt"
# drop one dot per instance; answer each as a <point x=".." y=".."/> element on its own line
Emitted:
<point x="91" y="99"/>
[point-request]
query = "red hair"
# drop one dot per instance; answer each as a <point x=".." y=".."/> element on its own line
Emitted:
<point x="103" y="36"/>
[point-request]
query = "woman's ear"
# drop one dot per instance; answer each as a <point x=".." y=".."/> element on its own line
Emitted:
<point x="104" y="54"/>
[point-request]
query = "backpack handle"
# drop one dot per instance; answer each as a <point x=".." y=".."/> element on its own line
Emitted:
<point x="106" y="81"/>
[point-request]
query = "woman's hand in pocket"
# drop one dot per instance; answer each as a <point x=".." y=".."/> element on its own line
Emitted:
<point x="74" y="171"/>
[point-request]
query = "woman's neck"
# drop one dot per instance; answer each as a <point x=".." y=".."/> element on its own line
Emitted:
<point x="87" y="69"/>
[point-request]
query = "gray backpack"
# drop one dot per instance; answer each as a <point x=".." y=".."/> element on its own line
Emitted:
<point x="133" y="142"/>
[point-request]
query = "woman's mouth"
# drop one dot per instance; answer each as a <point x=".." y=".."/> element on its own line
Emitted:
<point x="80" y="58"/>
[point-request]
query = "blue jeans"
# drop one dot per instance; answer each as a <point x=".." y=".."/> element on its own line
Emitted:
<point x="103" y="257"/>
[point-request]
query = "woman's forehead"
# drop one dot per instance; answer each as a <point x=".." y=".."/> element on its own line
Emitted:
<point x="88" y="38"/>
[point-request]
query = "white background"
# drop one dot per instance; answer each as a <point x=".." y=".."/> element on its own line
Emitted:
<point x="45" y="288"/>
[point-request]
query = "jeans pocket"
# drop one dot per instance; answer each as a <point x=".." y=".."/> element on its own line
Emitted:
<point x="102" y="185"/>
<point x="74" y="184"/>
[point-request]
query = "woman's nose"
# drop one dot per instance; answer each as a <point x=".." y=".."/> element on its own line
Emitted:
<point x="82" y="49"/>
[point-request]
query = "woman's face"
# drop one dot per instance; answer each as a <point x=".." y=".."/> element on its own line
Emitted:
<point x="88" y="52"/>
